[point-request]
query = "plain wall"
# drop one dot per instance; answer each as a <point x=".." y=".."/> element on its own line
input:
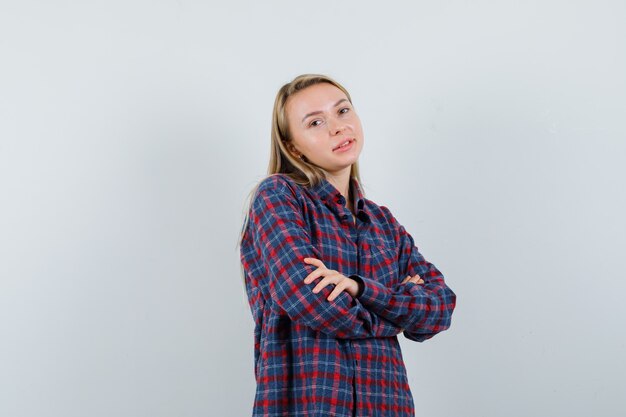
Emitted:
<point x="132" y="131"/>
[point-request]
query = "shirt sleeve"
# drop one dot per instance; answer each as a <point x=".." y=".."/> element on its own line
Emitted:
<point x="280" y="234"/>
<point x="422" y="310"/>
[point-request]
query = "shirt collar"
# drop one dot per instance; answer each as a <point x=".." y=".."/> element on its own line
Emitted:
<point x="330" y="195"/>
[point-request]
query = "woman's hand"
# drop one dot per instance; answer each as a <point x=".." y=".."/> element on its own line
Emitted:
<point x="415" y="279"/>
<point x="340" y="281"/>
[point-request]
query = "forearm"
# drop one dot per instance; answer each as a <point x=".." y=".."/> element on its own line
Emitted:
<point x="418" y="309"/>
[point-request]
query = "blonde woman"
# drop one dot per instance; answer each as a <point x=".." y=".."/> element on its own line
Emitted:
<point x="331" y="277"/>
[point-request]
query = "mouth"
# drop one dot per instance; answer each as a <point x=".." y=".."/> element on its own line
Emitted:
<point x="344" y="145"/>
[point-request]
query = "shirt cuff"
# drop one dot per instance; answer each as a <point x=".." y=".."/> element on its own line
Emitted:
<point x="359" y="281"/>
<point x="372" y="293"/>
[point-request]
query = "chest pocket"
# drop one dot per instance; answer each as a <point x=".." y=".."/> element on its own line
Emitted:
<point x="378" y="262"/>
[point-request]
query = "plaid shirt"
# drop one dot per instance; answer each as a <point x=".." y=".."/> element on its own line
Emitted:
<point x="314" y="357"/>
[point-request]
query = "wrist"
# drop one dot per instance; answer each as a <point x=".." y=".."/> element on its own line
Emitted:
<point x="360" y="284"/>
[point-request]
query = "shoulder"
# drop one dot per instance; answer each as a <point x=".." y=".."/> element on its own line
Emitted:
<point x="278" y="184"/>
<point x="276" y="189"/>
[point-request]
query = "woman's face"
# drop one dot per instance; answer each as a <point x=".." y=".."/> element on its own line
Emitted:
<point x="320" y="119"/>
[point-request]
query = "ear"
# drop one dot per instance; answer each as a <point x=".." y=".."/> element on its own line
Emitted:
<point x="294" y="152"/>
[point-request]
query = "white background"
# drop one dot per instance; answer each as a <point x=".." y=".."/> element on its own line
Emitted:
<point x="132" y="131"/>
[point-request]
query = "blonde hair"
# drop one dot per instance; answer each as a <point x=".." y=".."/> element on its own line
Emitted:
<point x="281" y="160"/>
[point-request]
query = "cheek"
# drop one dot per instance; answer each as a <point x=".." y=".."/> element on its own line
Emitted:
<point x="358" y="132"/>
<point x="316" y="137"/>
<point x="304" y="138"/>
<point x="356" y="123"/>
<point x="309" y="142"/>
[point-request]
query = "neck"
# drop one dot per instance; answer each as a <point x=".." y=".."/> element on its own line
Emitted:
<point x="341" y="181"/>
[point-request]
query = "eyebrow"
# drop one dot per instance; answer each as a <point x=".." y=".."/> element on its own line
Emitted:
<point x="319" y="111"/>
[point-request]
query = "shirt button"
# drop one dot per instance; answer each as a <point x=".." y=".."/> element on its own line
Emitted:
<point x="344" y="217"/>
<point x="341" y="200"/>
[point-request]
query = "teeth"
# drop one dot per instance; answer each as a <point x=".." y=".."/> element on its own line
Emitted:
<point x="343" y="144"/>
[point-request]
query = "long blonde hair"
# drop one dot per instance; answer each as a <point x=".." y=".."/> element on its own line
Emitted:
<point x="281" y="160"/>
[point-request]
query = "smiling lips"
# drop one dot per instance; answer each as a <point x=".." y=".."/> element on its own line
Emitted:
<point x="343" y="144"/>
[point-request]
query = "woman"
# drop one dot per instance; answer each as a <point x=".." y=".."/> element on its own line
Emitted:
<point x="332" y="278"/>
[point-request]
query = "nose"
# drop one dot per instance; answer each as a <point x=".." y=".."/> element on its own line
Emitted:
<point x="336" y="126"/>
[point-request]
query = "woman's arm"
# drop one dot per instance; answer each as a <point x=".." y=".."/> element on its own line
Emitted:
<point x="279" y="232"/>
<point x="421" y="310"/>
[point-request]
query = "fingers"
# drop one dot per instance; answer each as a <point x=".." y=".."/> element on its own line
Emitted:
<point x="414" y="279"/>
<point x="327" y="280"/>
<point x="341" y="286"/>
<point x="321" y="269"/>
<point x="329" y="276"/>
<point x="313" y="261"/>
<point x="315" y="275"/>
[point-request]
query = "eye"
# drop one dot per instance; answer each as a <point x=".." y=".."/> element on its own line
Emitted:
<point x="347" y="109"/>
<point x="313" y="123"/>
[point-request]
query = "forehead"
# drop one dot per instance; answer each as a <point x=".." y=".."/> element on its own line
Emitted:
<point x="321" y="96"/>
